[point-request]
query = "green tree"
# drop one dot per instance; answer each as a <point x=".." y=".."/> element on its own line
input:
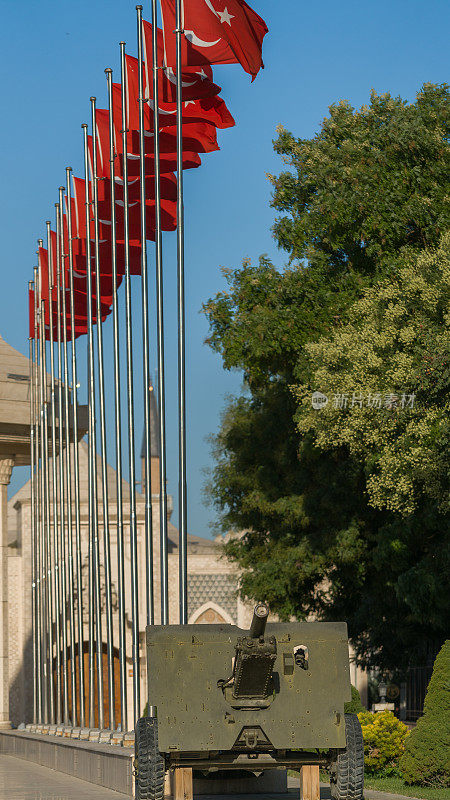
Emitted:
<point x="370" y="183"/>
<point x="387" y="375"/>
<point x="426" y="760"/>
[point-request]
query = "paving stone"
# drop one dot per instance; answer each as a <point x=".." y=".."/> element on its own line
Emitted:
<point x="23" y="780"/>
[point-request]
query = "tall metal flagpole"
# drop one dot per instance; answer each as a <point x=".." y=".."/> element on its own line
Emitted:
<point x="62" y="481"/>
<point x="160" y="334"/>
<point x="91" y="575"/>
<point x="38" y="514"/>
<point x="33" y="517"/>
<point x="118" y="421"/>
<point x="101" y="386"/>
<point x="145" y="340"/>
<point x="47" y="547"/>
<point x="44" y="638"/>
<point x="48" y="705"/>
<point x="95" y="572"/>
<point x="76" y="466"/>
<point x="92" y="474"/>
<point x="54" y="484"/>
<point x="71" y="596"/>
<point x="130" y="393"/>
<point x="181" y="333"/>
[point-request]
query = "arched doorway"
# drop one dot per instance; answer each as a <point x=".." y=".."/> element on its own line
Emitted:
<point x="108" y="722"/>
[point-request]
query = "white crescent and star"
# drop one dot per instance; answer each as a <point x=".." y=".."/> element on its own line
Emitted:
<point x="194" y="39"/>
<point x="223" y="17"/>
<point x="173" y="78"/>
<point x="161" y="110"/>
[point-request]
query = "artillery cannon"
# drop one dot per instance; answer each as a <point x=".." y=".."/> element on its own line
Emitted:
<point x="227" y="699"/>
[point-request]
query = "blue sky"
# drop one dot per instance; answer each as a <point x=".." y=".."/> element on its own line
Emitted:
<point x="54" y="55"/>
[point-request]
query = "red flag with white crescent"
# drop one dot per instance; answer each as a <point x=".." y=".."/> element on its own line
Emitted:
<point x="198" y="137"/>
<point x="167" y="163"/>
<point x="206" y="109"/>
<point x="215" y="32"/>
<point x="209" y="109"/>
<point x="105" y="257"/>
<point x="197" y="81"/>
<point x="168" y="185"/>
<point x="168" y="218"/>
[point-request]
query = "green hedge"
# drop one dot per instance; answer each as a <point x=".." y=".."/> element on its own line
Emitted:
<point x="426" y="761"/>
<point x="354" y="706"/>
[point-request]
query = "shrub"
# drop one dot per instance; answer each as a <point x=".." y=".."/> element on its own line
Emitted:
<point x="426" y="760"/>
<point x="384" y="741"/>
<point x="355" y="705"/>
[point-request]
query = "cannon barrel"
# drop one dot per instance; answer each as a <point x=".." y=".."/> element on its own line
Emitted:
<point x="259" y="620"/>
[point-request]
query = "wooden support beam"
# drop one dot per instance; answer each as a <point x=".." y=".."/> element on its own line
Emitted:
<point x="183" y="787"/>
<point x="309" y="783"/>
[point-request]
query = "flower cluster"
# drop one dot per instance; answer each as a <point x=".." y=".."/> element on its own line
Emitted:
<point x="384" y="741"/>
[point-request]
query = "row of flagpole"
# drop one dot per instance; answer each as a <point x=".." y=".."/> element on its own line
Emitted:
<point x="59" y="594"/>
<point x="69" y="622"/>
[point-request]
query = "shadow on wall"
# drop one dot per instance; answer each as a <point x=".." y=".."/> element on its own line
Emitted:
<point x="21" y="688"/>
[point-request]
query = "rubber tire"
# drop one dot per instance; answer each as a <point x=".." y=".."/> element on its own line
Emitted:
<point x="149" y="763"/>
<point x="347" y="772"/>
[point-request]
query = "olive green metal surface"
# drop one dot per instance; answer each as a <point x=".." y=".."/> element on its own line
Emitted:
<point x="305" y="709"/>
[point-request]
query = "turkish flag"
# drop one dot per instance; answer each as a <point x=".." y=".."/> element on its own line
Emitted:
<point x="168" y="218"/>
<point x="168" y="185"/>
<point x="207" y="109"/>
<point x="80" y="305"/>
<point x="105" y="258"/>
<point x="197" y="81"/>
<point x="105" y="252"/>
<point x="105" y="283"/>
<point x="43" y="273"/>
<point x="80" y="308"/>
<point x="78" y="208"/>
<point x="210" y="109"/>
<point x="215" y="32"/>
<point x="80" y="286"/>
<point x="198" y="137"/>
<point x="197" y="84"/>
<point x="102" y="131"/>
<point x="79" y="330"/>
<point x="168" y="163"/>
<point x="80" y="323"/>
<point x="45" y="281"/>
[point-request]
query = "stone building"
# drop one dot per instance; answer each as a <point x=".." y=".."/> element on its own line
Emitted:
<point x="212" y="584"/>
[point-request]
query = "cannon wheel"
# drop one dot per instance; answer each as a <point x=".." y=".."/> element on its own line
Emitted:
<point x="347" y="772"/>
<point x="149" y="764"/>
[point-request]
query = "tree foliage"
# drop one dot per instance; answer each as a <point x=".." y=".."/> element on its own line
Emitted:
<point x="387" y="377"/>
<point x="372" y="181"/>
<point x="426" y="760"/>
<point x="371" y="184"/>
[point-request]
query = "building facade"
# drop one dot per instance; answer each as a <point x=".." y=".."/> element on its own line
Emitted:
<point x="212" y="582"/>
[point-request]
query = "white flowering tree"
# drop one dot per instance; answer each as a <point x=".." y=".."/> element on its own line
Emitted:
<point x="386" y="379"/>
